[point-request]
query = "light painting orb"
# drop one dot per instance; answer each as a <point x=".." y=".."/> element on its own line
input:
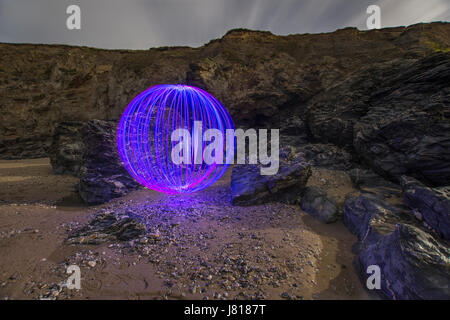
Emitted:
<point x="167" y="124"/>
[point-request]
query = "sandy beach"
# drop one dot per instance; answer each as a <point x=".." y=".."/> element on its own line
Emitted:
<point x="198" y="245"/>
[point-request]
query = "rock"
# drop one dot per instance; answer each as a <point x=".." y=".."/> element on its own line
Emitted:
<point x="367" y="178"/>
<point x="67" y="147"/>
<point x="369" y="217"/>
<point x="394" y="115"/>
<point x="249" y="187"/>
<point x="102" y="176"/>
<point x="370" y="182"/>
<point x="107" y="227"/>
<point x="414" y="264"/>
<point x="433" y="204"/>
<point x="315" y="202"/>
<point x="406" y="131"/>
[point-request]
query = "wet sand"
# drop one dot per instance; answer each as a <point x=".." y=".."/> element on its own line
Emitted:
<point x="204" y="248"/>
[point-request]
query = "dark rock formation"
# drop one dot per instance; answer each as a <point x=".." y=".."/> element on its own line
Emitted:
<point x="66" y="150"/>
<point x="432" y="204"/>
<point x="394" y="114"/>
<point x="249" y="187"/>
<point x="315" y="202"/>
<point x="102" y="176"/>
<point x="107" y="227"/>
<point x="414" y="263"/>
<point x="370" y="217"/>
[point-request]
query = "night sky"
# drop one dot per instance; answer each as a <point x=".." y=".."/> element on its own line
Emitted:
<point x="141" y="24"/>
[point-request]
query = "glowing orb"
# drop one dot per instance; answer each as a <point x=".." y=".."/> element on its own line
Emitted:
<point x="167" y="121"/>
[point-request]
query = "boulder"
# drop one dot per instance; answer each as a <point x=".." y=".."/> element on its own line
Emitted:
<point x="315" y="202"/>
<point x="413" y="262"/>
<point x="249" y="187"/>
<point x="433" y="204"/>
<point x="394" y="115"/>
<point x="102" y="175"/>
<point x="369" y="217"/>
<point x="406" y="129"/>
<point x="66" y="150"/>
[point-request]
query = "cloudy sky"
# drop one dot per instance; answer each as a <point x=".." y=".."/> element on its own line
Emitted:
<point x="141" y="24"/>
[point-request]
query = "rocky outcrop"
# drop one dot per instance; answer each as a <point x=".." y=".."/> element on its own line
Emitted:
<point x="264" y="80"/>
<point x="66" y="150"/>
<point x="430" y="204"/>
<point x="249" y="187"/>
<point x="414" y="263"/>
<point x="102" y="175"/>
<point x="406" y="130"/>
<point x="315" y="202"/>
<point x="394" y="115"/>
<point x="107" y="227"/>
<point x="370" y="217"/>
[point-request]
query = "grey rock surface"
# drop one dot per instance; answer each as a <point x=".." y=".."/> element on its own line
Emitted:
<point x="315" y="202"/>
<point x="102" y="175"/>
<point x="66" y="150"/>
<point x="433" y="204"/>
<point x="413" y="262"/>
<point x="249" y="187"/>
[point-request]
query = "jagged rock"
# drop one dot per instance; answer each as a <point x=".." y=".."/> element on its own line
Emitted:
<point x="107" y="227"/>
<point x="370" y="217"/>
<point x="67" y="147"/>
<point x="315" y="202"/>
<point x="406" y="130"/>
<point x="249" y="187"/>
<point x="102" y="176"/>
<point x="414" y="264"/>
<point x="432" y="203"/>
<point x="395" y="116"/>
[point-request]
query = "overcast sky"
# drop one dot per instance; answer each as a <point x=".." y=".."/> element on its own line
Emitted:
<point x="141" y="24"/>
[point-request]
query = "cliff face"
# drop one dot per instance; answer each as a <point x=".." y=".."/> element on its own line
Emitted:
<point x="263" y="79"/>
